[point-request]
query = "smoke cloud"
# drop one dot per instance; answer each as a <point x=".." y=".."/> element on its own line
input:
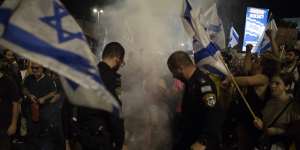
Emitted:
<point x="150" y="30"/>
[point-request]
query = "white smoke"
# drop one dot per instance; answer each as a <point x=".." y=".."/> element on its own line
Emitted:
<point x="150" y="30"/>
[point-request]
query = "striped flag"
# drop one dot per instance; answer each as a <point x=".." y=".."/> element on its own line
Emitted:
<point x="206" y="53"/>
<point x="265" y="44"/>
<point x="214" y="26"/>
<point x="44" y="32"/>
<point x="233" y="38"/>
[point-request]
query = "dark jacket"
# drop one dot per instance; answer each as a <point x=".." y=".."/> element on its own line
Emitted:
<point x="202" y="120"/>
<point x="104" y="126"/>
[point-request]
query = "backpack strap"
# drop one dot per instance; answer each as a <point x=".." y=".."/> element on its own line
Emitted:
<point x="280" y="113"/>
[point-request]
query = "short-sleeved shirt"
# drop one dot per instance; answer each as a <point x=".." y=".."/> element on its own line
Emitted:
<point x="39" y="88"/>
<point x="8" y="95"/>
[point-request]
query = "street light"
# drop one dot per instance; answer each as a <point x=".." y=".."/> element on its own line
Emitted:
<point x="95" y="10"/>
<point x="98" y="12"/>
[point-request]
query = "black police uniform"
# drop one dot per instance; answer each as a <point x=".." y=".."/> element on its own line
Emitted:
<point x="100" y="130"/>
<point x="201" y="115"/>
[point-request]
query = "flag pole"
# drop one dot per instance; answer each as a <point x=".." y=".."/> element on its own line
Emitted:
<point x="238" y="88"/>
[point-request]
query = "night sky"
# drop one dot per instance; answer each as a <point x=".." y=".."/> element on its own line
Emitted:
<point x="232" y="12"/>
<point x="280" y="8"/>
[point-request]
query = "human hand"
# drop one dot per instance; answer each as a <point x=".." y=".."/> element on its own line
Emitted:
<point x="32" y="98"/>
<point x="11" y="129"/>
<point x="41" y="100"/>
<point x="226" y="82"/>
<point x="258" y="123"/>
<point x="198" y="146"/>
<point x="67" y="145"/>
<point x="125" y="147"/>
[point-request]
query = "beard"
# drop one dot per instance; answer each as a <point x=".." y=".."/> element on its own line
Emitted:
<point x="181" y="78"/>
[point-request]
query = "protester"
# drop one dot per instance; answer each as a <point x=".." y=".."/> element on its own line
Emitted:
<point x="9" y="109"/>
<point x="11" y="66"/>
<point x="279" y="112"/>
<point x="260" y="72"/>
<point x="41" y="93"/>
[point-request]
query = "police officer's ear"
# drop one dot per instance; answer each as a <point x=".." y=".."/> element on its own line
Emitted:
<point x="180" y="68"/>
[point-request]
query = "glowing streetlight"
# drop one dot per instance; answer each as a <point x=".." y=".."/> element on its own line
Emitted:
<point x="182" y="44"/>
<point x="98" y="12"/>
<point x="95" y="10"/>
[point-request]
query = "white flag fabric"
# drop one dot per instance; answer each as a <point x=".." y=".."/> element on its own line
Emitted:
<point x="206" y="53"/>
<point x="233" y="38"/>
<point x="44" y="32"/>
<point x="214" y="26"/>
<point x="265" y="44"/>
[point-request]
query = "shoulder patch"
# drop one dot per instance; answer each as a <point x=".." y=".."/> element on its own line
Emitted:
<point x="210" y="100"/>
<point x="206" y="88"/>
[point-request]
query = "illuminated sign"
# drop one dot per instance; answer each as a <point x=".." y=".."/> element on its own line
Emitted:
<point x="256" y="22"/>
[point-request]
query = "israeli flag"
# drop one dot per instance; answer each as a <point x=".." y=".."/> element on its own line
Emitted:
<point x="265" y="44"/>
<point x="44" y="32"/>
<point x="214" y="26"/>
<point x="206" y="53"/>
<point x="233" y="38"/>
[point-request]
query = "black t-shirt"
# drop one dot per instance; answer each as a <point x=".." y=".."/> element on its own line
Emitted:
<point x="8" y="94"/>
<point x="111" y="79"/>
<point x="39" y="88"/>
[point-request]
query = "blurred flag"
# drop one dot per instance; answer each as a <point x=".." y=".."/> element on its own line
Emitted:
<point x="234" y="38"/>
<point x="266" y="44"/>
<point x="206" y="53"/>
<point x="214" y="26"/>
<point x="44" y="32"/>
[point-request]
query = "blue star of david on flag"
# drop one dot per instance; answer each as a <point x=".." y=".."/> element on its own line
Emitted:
<point x="187" y="13"/>
<point x="55" y="22"/>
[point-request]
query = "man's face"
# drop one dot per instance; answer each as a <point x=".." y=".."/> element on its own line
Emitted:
<point x="290" y="56"/>
<point x="277" y="87"/>
<point x="37" y="70"/>
<point x="177" y="73"/>
<point x="9" y="56"/>
<point x="119" y="62"/>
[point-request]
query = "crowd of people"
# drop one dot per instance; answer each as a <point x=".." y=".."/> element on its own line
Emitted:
<point x="35" y="113"/>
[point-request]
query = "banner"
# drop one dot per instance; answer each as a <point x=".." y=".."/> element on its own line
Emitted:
<point x="256" y="22"/>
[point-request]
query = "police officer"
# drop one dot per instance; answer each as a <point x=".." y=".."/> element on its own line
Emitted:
<point x="101" y="130"/>
<point x="201" y="115"/>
